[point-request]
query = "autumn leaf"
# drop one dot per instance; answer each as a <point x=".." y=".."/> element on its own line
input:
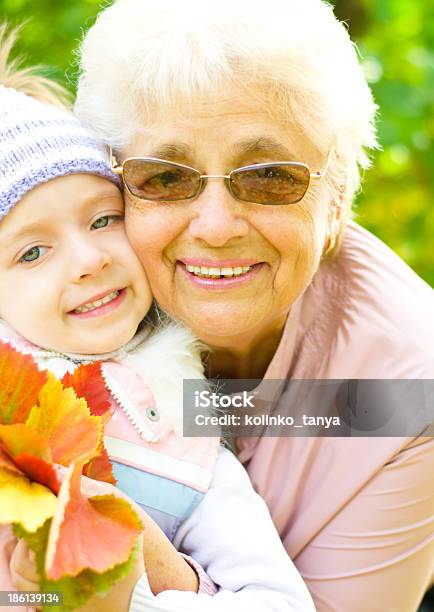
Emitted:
<point x="78" y="589"/>
<point x="94" y="533"/>
<point x="6" y="461"/>
<point x="65" y="421"/>
<point x="100" y="468"/>
<point x="22" y="438"/>
<point x="20" y="384"/>
<point x="84" y="545"/>
<point x="38" y="470"/>
<point x="88" y="382"/>
<point x="24" y="502"/>
<point x="29" y="452"/>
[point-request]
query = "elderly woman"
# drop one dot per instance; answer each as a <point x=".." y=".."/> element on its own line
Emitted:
<point x="241" y="128"/>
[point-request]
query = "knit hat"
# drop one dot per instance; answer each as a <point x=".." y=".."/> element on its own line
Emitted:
<point x="39" y="142"/>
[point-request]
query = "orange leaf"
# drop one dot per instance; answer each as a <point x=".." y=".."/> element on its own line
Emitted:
<point x="87" y="382"/>
<point x="20" y="383"/>
<point x="96" y="533"/>
<point x="66" y="422"/>
<point x="100" y="468"/>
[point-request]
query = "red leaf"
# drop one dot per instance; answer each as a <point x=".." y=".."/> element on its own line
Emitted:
<point x="20" y="383"/>
<point x="30" y="454"/>
<point x="88" y="382"/>
<point x="38" y="470"/>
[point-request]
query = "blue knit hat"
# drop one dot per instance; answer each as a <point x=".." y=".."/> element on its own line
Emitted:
<point x="39" y="142"/>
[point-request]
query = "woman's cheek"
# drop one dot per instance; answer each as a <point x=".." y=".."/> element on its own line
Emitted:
<point x="138" y="224"/>
<point x="150" y="229"/>
<point x="313" y="218"/>
<point x="298" y="243"/>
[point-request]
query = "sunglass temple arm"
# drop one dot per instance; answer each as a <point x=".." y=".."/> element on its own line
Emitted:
<point x="320" y="173"/>
<point x="114" y="163"/>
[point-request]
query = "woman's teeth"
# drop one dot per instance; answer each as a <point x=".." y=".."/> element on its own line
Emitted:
<point x="217" y="272"/>
<point x="92" y="305"/>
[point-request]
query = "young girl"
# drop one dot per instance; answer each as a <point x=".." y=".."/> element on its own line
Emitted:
<point x="72" y="291"/>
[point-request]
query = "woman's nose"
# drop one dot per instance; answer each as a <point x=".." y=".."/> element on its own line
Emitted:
<point x="88" y="260"/>
<point x="217" y="220"/>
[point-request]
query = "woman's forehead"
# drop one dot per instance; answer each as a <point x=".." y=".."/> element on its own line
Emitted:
<point x="207" y="109"/>
<point x="239" y="130"/>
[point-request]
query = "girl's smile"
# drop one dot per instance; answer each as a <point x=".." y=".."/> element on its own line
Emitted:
<point x="100" y="305"/>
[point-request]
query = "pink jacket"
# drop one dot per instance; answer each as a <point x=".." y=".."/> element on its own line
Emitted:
<point x="355" y="514"/>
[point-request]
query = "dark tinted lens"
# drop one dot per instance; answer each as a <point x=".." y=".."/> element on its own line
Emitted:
<point x="164" y="181"/>
<point x="273" y="184"/>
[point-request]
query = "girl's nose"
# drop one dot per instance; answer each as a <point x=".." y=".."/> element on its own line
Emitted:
<point x="88" y="261"/>
<point x="218" y="219"/>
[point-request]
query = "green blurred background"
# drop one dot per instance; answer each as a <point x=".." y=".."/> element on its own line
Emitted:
<point x="394" y="38"/>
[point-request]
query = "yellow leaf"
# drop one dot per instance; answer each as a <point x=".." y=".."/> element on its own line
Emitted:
<point x="65" y="420"/>
<point x="24" y="502"/>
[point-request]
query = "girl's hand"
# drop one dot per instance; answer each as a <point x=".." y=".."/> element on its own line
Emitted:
<point x="24" y="575"/>
<point x="25" y="578"/>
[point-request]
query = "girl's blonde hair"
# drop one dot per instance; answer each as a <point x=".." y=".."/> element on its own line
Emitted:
<point x="27" y="80"/>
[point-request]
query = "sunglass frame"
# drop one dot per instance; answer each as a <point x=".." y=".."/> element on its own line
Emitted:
<point x="203" y="178"/>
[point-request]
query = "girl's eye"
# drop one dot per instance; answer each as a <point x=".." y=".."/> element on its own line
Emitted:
<point x="33" y="254"/>
<point x="105" y="221"/>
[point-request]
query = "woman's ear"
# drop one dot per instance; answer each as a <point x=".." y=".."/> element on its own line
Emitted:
<point x="334" y="228"/>
<point x="338" y="214"/>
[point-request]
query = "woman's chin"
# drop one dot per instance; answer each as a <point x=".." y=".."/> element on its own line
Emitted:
<point x="216" y="325"/>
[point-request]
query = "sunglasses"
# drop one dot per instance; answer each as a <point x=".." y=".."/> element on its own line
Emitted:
<point x="271" y="184"/>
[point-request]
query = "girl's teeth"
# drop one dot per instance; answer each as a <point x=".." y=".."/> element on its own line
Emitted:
<point x="217" y="272"/>
<point x="92" y="305"/>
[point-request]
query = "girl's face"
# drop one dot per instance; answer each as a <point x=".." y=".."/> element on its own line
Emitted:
<point x="69" y="279"/>
<point x="269" y="252"/>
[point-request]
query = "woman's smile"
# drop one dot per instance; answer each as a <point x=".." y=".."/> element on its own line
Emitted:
<point x="219" y="275"/>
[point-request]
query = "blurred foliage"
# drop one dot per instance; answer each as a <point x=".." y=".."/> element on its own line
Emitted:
<point x="396" y="41"/>
<point x="394" y="38"/>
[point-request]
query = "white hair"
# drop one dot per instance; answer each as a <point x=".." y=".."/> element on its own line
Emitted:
<point x="143" y="59"/>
